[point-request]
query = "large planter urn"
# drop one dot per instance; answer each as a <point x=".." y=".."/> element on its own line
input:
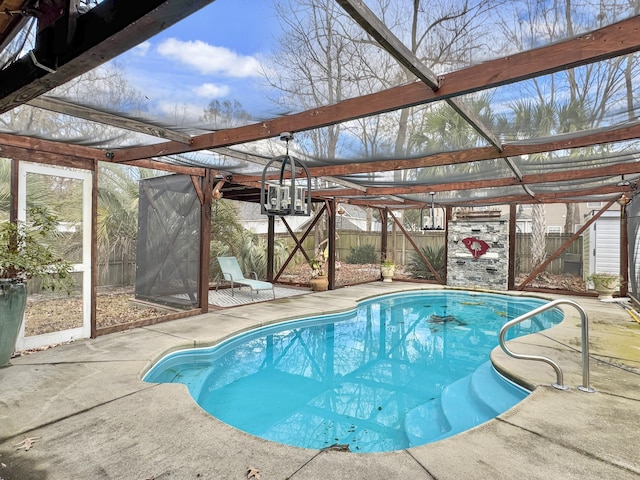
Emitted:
<point x="387" y="272"/>
<point x="319" y="283"/>
<point x="605" y="284"/>
<point x="13" y="300"/>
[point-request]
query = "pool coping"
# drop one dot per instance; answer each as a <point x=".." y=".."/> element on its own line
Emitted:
<point x="97" y="419"/>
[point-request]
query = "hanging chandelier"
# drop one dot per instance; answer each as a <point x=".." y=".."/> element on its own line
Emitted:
<point x="432" y="225"/>
<point x="287" y="195"/>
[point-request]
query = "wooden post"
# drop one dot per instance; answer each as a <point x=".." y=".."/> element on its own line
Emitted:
<point x="331" y="244"/>
<point x="13" y="208"/>
<point x="383" y="238"/>
<point x="271" y="246"/>
<point x="205" y="240"/>
<point x="93" y="310"/>
<point x="449" y="216"/>
<point x="511" y="269"/>
<point x="624" y="249"/>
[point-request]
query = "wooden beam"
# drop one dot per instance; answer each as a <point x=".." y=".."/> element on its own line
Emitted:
<point x="206" y="189"/>
<point x="94" y="115"/>
<point x="299" y="242"/>
<point x="383" y="233"/>
<point x="559" y="197"/>
<point x="198" y="188"/>
<point x="564" y="246"/>
<point x="574" y="174"/>
<point x="14" y="181"/>
<point x="624" y="246"/>
<point x="104" y="32"/>
<point x="93" y="315"/>
<point x="167" y="167"/>
<point x="558" y="142"/>
<point x="47" y="158"/>
<point x="331" y="207"/>
<point x="422" y="257"/>
<point x="511" y="275"/>
<point x="271" y="245"/>
<point x="49" y="146"/>
<point x="614" y="40"/>
<point x="398" y="50"/>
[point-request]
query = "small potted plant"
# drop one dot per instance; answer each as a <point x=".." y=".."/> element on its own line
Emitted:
<point x="319" y="281"/>
<point x="605" y="284"/>
<point x="24" y="254"/>
<point x="387" y="270"/>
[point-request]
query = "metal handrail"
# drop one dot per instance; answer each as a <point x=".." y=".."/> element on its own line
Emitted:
<point x="584" y="322"/>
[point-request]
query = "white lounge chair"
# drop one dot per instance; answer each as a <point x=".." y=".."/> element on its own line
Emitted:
<point x="232" y="273"/>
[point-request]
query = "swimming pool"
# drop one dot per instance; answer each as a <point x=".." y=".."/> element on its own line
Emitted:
<point x="398" y="371"/>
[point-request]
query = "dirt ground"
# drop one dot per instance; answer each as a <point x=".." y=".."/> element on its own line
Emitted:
<point x="47" y="314"/>
<point x="114" y="305"/>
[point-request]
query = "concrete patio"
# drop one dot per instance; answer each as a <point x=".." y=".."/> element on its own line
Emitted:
<point x="94" y="418"/>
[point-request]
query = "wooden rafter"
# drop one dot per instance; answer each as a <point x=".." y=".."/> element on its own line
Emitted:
<point x="573" y="174"/>
<point x="50" y="146"/>
<point x="101" y="34"/>
<point x="87" y="113"/>
<point x="398" y="50"/>
<point x="611" y="41"/>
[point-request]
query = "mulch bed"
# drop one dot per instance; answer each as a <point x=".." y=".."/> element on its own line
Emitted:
<point x="46" y="313"/>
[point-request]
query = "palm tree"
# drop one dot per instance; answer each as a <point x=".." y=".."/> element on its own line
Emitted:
<point x="5" y="188"/>
<point x="118" y="216"/>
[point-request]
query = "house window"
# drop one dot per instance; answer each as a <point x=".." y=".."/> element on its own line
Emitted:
<point x="554" y="229"/>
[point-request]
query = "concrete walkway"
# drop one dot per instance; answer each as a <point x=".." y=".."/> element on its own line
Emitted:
<point x="95" y="419"/>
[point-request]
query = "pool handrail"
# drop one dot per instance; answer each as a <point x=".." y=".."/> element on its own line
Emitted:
<point x="584" y="322"/>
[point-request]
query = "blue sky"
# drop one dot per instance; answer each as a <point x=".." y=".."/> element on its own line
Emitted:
<point x="213" y="54"/>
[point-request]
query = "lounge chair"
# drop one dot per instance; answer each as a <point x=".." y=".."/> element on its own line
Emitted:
<point x="232" y="272"/>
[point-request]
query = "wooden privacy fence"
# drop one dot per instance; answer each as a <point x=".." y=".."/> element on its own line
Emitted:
<point x="400" y="250"/>
<point x="122" y="272"/>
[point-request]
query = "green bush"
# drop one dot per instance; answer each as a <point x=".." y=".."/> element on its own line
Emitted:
<point x="418" y="269"/>
<point x="362" y="255"/>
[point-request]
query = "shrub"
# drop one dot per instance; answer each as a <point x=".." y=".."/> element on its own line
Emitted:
<point x="362" y="255"/>
<point x="418" y="269"/>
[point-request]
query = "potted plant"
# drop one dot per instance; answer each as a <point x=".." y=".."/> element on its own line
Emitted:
<point x="605" y="284"/>
<point x="24" y="254"/>
<point x="319" y="281"/>
<point x="387" y="270"/>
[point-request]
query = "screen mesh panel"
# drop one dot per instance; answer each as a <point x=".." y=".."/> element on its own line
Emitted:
<point x="168" y="244"/>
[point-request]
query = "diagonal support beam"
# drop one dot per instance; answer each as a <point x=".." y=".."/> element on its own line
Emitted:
<point x="424" y="259"/>
<point x="608" y="42"/>
<point x="564" y="246"/>
<point x="398" y="50"/>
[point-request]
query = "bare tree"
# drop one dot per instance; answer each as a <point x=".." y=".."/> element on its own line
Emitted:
<point x="105" y="87"/>
<point x="579" y="98"/>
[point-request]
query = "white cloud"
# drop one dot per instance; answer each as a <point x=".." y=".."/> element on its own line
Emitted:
<point x="209" y="59"/>
<point x="210" y="90"/>
<point x="141" y="49"/>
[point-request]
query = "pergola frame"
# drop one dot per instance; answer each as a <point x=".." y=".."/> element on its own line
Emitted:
<point x="114" y="28"/>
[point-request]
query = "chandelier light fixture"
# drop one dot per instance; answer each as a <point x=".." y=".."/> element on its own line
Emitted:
<point x="432" y="225"/>
<point x="286" y="195"/>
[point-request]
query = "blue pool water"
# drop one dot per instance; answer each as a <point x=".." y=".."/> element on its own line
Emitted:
<point x="398" y="371"/>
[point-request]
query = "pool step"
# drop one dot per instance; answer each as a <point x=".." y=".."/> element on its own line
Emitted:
<point x="464" y="404"/>
<point x="489" y="387"/>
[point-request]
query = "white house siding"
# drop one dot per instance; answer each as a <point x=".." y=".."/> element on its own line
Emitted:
<point x="604" y="244"/>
